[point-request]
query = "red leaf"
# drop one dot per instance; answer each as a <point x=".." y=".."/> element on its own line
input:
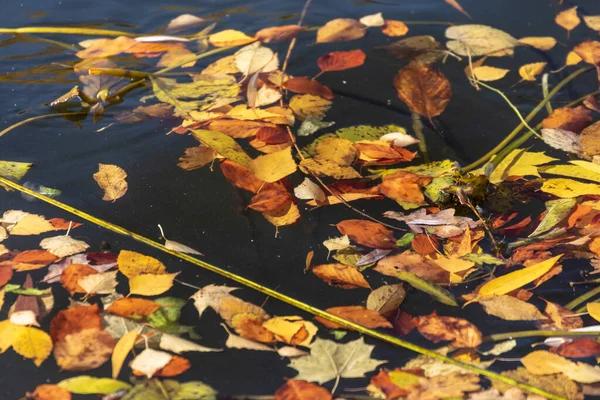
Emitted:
<point x="341" y="60"/>
<point x="579" y="348"/>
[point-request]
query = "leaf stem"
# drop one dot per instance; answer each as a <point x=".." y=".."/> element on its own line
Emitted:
<point x="528" y="118"/>
<point x="28" y="120"/>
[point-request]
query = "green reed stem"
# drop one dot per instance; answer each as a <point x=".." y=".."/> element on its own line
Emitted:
<point x="496" y="337"/>
<point x="583" y="298"/>
<point x="28" y="120"/>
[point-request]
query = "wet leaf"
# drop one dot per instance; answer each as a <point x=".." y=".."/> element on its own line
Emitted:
<point x="320" y="168"/>
<point x="230" y="37"/>
<point x="437" y="292"/>
<point x="569" y="188"/>
<point x="50" y="392"/>
<point x="308" y="190"/>
<point x="91" y="385"/>
<point x="102" y="283"/>
<point x="341" y="60"/>
<point x="275" y="166"/>
<point x="178" y="345"/>
<point x="133" y="307"/>
<point x="121" y="351"/>
<point x="479" y="40"/>
<point x="295" y="389"/>
<point x="413" y="263"/>
<point x="423" y="89"/>
<point x="341" y="275"/>
<point x="223" y="145"/>
<point x="72" y="274"/>
<point x="510" y="308"/>
<point x="461" y="332"/>
<point x="340" y="29"/>
<point x="573" y="119"/>
<point x="589" y="139"/>
<point x="562" y="139"/>
<point x="256" y="58"/>
<point x="32" y="343"/>
<point x="111" y="179"/>
<point x="350" y="360"/>
<point x="151" y="284"/>
<point x="557" y="210"/>
<point x="394" y="28"/>
<point x="154" y="389"/>
<point x="528" y="72"/>
<point x="489" y="74"/>
<point x="150" y="361"/>
<point x="291" y="330"/>
<point x="183" y="22"/>
<point x="83" y="350"/>
<point x="14" y="170"/>
<point x="386" y="298"/>
<point x="26" y="261"/>
<point x="592" y="21"/>
<point x="74" y="319"/>
<point x="132" y="264"/>
<point x="306" y="105"/>
<point x="543" y="43"/>
<point x="568" y="19"/>
<point x="542" y="362"/>
<point x="519" y="163"/>
<point x="226" y="305"/>
<point x="277" y="34"/>
<point x="368" y="233"/>
<point x="423" y="49"/>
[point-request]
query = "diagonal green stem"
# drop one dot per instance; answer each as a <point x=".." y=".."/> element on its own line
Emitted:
<point x="496" y="337"/>
<point x="584" y="297"/>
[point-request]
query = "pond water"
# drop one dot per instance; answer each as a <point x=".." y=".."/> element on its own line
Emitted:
<point x="202" y="209"/>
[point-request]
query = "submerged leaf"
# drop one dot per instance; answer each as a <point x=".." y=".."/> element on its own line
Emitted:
<point x="479" y="40"/>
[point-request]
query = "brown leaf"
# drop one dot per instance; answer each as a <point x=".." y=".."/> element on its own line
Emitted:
<point x="111" y="179"/>
<point x="458" y="7"/>
<point x="301" y="390"/>
<point x="74" y="319"/>
<point x="590" y="139"/>
<point x="589" y="51"/>
<point x="71" y="276"/>
<point x="383" y="382"/>
<point x="394" y="28"/>
<point x="413" y="263"/>
<point x="572" y="119"/>
<point x="379" y="152"/>
<point x="424" y="244"/>
<point x="63" y="224"/>
<point x="341" y="275"/>
<point x="578" y="348"/>
<point x="196" y="157"/>
<point x="133" y="307"/>
<point x="561" y="318"/>
<point x="270" y="200"/>
<point x="424" y="89"/>
<point x="84" y="350"/>
<point x="305" y="85"/>
<point x="242" y="177"/>
<point x="49" y="392"/>
<point x="568" y="19"/>
<point x="452" y="385"/>
<point x="250" y="326"/>
<point x="341" y="60"/>
<point x="357" y="314"/>
<point x="277" y="34"/>
<point x="368" y="233"/>
<point x="30" y="260"/>
<point x="437" y="328"/>
<point x="340" y="29"/>
<point x="6" y="274"/>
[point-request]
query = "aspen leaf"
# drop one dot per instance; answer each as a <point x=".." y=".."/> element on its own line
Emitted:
<point x="341" y="60"/>
<point x="424" y="90"/>
<point x="225" y="304"/>
<point x="230" y="37"/>
<point x="568" y="19"/>
<point x="394" y="28"/>
<point x="183" y="22"/>
<point x="32" y="343"/>
<point x="111" y="179"/>
<point x="151" y="284"/>
<point x="592" y="21"/>
<point x="84" y="384"/>
<point x="386" y="298"/>
<point x="341" y="275"/>
<point x="514" y="280"/>
<point x="479" y="40"/>
<point x="350" y="360"/>
<point x="594" y="310"/>
<point x="275" y="166"/>
<point x="121" y="350"/>
<point x="103" y="283"/>
<point x="539" y="42"/>
<point x="284" y="216"/>
<point x="340" y="29"/>
<point x="304" y="85"/>
<point x="489" y="74"/>
<point x="132" y="264"/>
<point x="306" y="105"/>
<point x="74" y="319"/>
<point x="528" y="72"/>
<point x="84" y="350"/>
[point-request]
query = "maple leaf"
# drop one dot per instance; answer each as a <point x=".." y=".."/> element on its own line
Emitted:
<point x="330" y="360"/>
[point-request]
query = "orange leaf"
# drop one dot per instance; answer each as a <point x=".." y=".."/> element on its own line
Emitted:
<point x="243" y="178"/>
<point x="63" y="224"/>
<point x="424" y="89"/>
<point x="357" y="314"/>
<point x="6" y="274"/>
<point x="413" y="263"/>
<point x="84" y="350"/>
<point x="437" y="328"/>
<point x="341" y="275"/>
<point x="278" y="34"/>
<point x="269" y="200"/>
<point x="568" y="19"/>
<point x="74" y="319"/>
<point x="341" y="60"/>
<point x="29" y="260"/>
<point x="424" y="244"/>
<point x="458" y="7"/>
<point x="301" y="390"/>
<point x="178" y="365"/>
<point x="129" y="307"/>
<point x="306" y="85"/>
<point x="572" y="119"/>
<point x="578" y="348"/>
<point x="368" y="233"/>
<point x="72" y="274"/>
<point x="340" y="29"/>
<point x="394" y="28"/>
<point x="49" y="392"/>
<point x="250" y="326"/>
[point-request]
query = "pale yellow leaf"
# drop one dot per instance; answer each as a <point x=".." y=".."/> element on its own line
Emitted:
<point x="149" y="361"/>
<point x="63" y="246"/>
<point x="230" y="37"/>
<point x="32" y="343"/>
<point x="539" y="42"/>
<point x="488" y="74"/>
<point x="111" y="179"/>
<point x="307" y="105"/>
<point x="275" y="166"/>
<point x="528" y="72"/>
<point x="151" y="284"/>
<point x="121" y="350"/>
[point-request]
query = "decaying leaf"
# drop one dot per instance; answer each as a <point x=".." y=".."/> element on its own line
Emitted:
<point x="340" y="29"/>
<point x="111" y="179"/>
<point x="341" y="60"/>
<point x="341" y="275"/>
<point x="368" y="233"/>
<point x="295" y="389"/>
<point x="510" y="308"/>
<point x="461" y="332"/>
<point x="479" y="40"/>
<point x="356" y="314"/>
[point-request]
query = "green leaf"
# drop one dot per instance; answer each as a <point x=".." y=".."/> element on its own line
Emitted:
<point x="224" y="145"/>
<point x="437" y="292"/>
<point x="338" y="334"/>
<point x="557" y="210"/>
<point x="367" y="132"/>
<point x="91" y="385"/>
<point x="483" y="258"/>
<point x="350" y="257"/>
<point x="405" y="240"/>
<point x="14" y="170"/>
<point x="171" y="306"/>
<point x="170" y="390"/>
<point x="12" y="288"/>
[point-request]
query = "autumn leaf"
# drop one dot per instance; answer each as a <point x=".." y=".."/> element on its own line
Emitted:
<point x="386" y="298"/>
<point x="304" y="85"/>
<point x="568" y="19"/>
<point x="356" y="314"/>
<point x="132" y="264"/>
<point x="84" y="350"/>
<point x="542" y="362"/>
<point x="151" y="284"/>
<point x="416" y="264"/>
<point x="479" y="40"/>
<point x="277" y="34"/>
<point x="458" y="7"/>
<point x="84" y="384"/>
<point x="32" y="343"/>
<point x="394" y="28"/>
<point x="292" y="330"/>
<point x="528" y="72"/>
<point x="341" y="275"/>
<point x="150" y="361"/>
<point x="111" y="179"/>
<point x="121" y="350"/>
<point x="589" y="139"/>
<point x="341" y="60"/>
<point x="340" y="29"/>
<point x="510" y="308"/>
<point x="295" y="389"/>
<point x="256" y="58"/>
<point x="72" y="274"/>
<point x="225" y="304"/>
<point x="224" y="145"/>
<point x="350" y="360"/>
<point x="29" y="260"/>
<point x="275" y="166"/>
<point x="133" y="307"/>
<point x="368" y="233"/>
<point x="196" y="157"/>
<point x="230" y="37"/>
<point x="569" y="188"/>
<point x="74" y="319"/>
<point x="307" y="105"/>
<point x="423" y="89"/>
<point x="543" y="43"/>
<point x="50" y="392"/>
<point x="488" y="74"/>
<point x="437" y="328"/>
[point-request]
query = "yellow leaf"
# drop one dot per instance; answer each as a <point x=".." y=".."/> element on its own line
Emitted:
<point x="580" y="170"/>
<point x="573" y="58"/>
<point x="111" y="179"/>
<point x="519" y="163"/>
<point x="328" y="168"/>
<point x="592" y="21"/>
<point x="224" y="145"/>
<point x="7" y="334"/>
<point x="283" y="217"/>
<point x="305" y="105"/>
<point x="287" y="329"/>
<point x="587" y="165"/>
<point x="31" y="224"/>
<point x="568" y="19"/>
<point x="594" y="310"/>
<point x="454" y="264"/>
<point x="121" y="350"/>
<point x="529" y="71"/>
<point x="32" y="343"/>
<point x="13" y="169"/>
<point x="272" y="167"/>
<point x="569" y="188"/>
<point x="230" y="37"/>
<point x="539" y="42"/>
<point x="175" y="56"/>
<point x="543" y="362"/>
<point x="151" y="284"/>
<point x="132" y="264"/>
<point x="514" y="280"/>
<point x="340" y="151"/>
<point x="488" y="74"/>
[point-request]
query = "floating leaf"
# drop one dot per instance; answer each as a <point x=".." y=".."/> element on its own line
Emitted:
<point x="394" y="28"/>
<point x="132" y="264"/>
<point x="256" y="58"/>
<point x="277" y="34"/>
<point x="510" y="308"/>
<point x="121" y="350"/>
<point x="592" y="21"/>
<point x="557" y="210"/>
<point x="295" y="389"/>
<point x="568" y="19"/>
<point x="543" y="43"/>
<point x="179" y="345"/>
<point x="306" y="105"/>
<point x="437" y="292"/>
<point x="230" y="37"/>
<point x="562" y="139"/>
<point x="479" y="40"/>
<point x="340" y="29"/>
<point x="589" y="139"/>
<point x="386" y="298"/>
<point x="32" y="343"/>
<point x="83" y="350"/>
<point x="13" y="169"/>
<point x="151" y="284"/>
<point x="368" y="233"/>
<point x="275" y="166"/>
<point x="341" y="60"/>
<point x="528" y="72"/>
<point x="519" y="163"/>
<point x="543" y="362"/>
<point x="357" y="314"/>
<point x="569" y="188"/>
<point x="373" y="20"/>
<point x="437" y="328"/>
<point x="573" y="119"/>
<point x="423" y="49"/>
<point x="111" y="179"/>
<point x="91" y="385"/>
<point x="488" y="74"/>
<point x="341" y="275"/>
<point x="150" y="361"/>
<point x="458" y="7"/>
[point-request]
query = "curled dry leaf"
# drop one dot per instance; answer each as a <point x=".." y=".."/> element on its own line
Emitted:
<point x="340" y="29"/>
<point x="424" y="89"/>
<point x="341" y="275"/>
<point x="373" y="20"/>
<point x="111" y="179"/>
<point x="437" y="328"/>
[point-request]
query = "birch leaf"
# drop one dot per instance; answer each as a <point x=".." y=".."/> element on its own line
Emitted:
<point x="111" y="179"/>
<point x="374" y="20"/>
<point x="489" y="74"/>
<point x="543" y="43"/>
<point x="178" y="345"/>
<point x="150" y="284"/>
<point x="132" y="264"/>
<point x="479" y="40"/>
<point x="568" y="19"/>
<point x="104" y="283"/>
<point x="149" y="361"/>
<point x="528" y="72"/>
<point x="224" y="145"/>
<point x="510" y="308"/>
<point x="592" y="21"/>
<point x="514" y="280"/>
<point x="256" y="58"/>
<point x="13" y="169"/>
<point x="330" y="360"/>
<point x="275" y="166"/>
<point x="32" y="343"/>
<point x="63" y="246"/>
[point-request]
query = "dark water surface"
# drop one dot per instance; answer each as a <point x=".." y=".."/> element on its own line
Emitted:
<point x="200" y="208"/>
